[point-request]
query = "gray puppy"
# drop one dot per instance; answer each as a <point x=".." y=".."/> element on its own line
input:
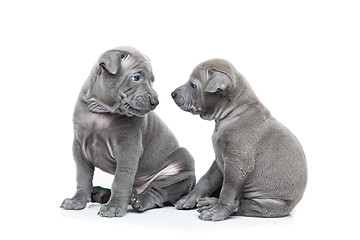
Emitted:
<point x="115" y="130"/>
<point x="260" y="167"/>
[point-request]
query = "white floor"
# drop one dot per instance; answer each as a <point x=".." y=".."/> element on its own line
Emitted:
<point x="169" y="223"/>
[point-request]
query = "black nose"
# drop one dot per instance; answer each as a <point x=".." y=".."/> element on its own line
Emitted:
<point x="173" y="94"/>
<point x="153" y="103"/>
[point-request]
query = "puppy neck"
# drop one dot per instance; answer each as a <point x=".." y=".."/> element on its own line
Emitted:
<point x="237" y="104"/>
<point x="232" y="112"/>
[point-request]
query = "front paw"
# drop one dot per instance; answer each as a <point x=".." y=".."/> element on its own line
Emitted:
<point x="206" y="203"/>
<point x="112" y="210"/>
<point x="189" y="201"/>
<point x="217" y="213"/>
<point x="75" y="203"/>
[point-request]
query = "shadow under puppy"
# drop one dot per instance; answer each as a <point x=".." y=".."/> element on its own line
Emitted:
<point x="116" y="131"/>
<point x="260" y="167"/>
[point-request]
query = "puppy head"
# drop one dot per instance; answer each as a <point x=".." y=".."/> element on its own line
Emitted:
<point x="209" y="89"/>
<point x="124" y="79"/>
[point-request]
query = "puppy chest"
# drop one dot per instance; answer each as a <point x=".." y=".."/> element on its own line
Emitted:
<point x="99" y="151"/>
<point x="94" y="121"/>
<point x="219" y="142"/>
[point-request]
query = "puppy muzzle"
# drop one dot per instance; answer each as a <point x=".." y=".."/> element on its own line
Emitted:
<point x="178" y="98"/>
<point x="183" y="103"/>
<point x="146" y="102"/>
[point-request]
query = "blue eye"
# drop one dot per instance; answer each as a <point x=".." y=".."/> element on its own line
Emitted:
<point x="135" y="78"/>
<point x="193" y="85"/>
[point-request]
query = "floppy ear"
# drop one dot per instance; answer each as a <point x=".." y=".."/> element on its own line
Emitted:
<point x="110" y="61"/>
<point x="217" y="82"/>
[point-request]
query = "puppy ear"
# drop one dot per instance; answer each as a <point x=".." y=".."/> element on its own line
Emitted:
<point x="217" y="82"/>
<point x="111" y="60"/>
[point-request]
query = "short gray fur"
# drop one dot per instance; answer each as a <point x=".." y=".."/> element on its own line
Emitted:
<point x="116" y="131"/>
<point x="260" y="167"/>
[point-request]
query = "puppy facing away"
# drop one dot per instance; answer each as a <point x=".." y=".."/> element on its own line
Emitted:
<point x="116" y="131"/>
<point x="260" y="168"/>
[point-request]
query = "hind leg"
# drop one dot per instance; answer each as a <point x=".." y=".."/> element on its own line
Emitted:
<point x="266" y="208"/>
<point x="160" y="192"/>
<point x="157" y="193"/>
<point x="168" y="187"/>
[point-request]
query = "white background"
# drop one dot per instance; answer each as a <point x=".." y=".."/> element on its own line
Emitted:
<point x="302" y="58"/>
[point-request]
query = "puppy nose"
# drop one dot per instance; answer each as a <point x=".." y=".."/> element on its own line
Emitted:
<point x="173" y="94"/>
<point x="153" y="103"/>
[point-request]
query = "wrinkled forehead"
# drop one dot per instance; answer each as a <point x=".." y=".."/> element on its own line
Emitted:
<point x="140" y="60"/>
<point x="215" y="64"/>
<point x="132" y="63"/>
<point x="134" y="53"/>
<point x="135" y="62"/>
<point x="200" y="74"/>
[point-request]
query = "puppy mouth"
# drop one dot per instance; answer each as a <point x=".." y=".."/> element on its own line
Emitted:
<point x="193" y="110"/>
<point x="186" y="106"/>
<point x="130" y="111"/>
<point x="190" y="108"/>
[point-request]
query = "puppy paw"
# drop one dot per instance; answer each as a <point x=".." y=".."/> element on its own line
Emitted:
<point x="217" y="213"/>
<point x="142" y="202"/>
<point x="206" y="203"/>
<point x="111" y="210"/>
<point x="75" y="203"/>
<point x="188" y="202"/>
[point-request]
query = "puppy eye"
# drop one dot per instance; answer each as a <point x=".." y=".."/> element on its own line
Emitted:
<point x="135" y="78"/>
<point x="193" y="85"/>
